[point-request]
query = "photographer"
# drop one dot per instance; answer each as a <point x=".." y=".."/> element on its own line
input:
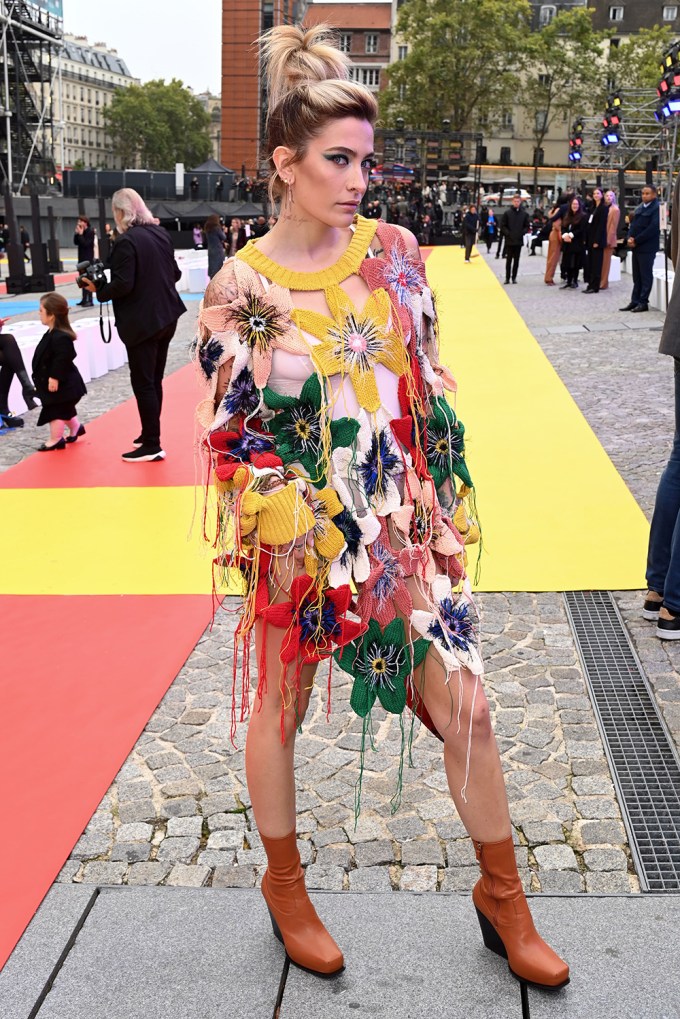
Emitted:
<point x="146" y="306"/>
<point x="83" y="239"/>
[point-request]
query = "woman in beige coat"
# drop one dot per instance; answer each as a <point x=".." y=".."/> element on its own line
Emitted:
<point x="613" y="217"/>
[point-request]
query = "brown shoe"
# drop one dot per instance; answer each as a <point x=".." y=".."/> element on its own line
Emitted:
<point x="507" y="927"/>
<point x="294" y="919"/>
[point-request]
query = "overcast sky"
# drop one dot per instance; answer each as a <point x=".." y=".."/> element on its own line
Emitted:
<point x="157" y="38"/>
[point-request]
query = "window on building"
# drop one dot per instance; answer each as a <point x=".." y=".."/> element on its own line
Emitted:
<point x="506" y="155"/>
<point x="371" y="42"/>
<point x="506" y="118"/>
<point x="670" y="12"/>
<point x="616" y="13"/>
<point x="402" y="93"/>
<point x="82" y="95"/>
<point x="345" y="42"/>
<point x="402" y="53"/>
<point x="539" y="156"/>
<point x="541" y="120"/>
<point x="546" y="14"/>
<point x="544" y="80"/>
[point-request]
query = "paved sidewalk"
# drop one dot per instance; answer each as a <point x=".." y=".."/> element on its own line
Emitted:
<point x="178" y="813"/>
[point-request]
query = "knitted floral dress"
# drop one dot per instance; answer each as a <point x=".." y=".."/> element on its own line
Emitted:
<point x="338" y="425"/>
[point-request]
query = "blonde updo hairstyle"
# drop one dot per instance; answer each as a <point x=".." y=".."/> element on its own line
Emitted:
<point x="308" y="86"/>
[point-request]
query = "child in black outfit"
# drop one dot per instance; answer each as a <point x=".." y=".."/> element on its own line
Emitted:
<point x="58" y="382"/>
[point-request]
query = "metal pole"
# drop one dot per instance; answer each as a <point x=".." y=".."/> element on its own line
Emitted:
<point x="8" y="112"/>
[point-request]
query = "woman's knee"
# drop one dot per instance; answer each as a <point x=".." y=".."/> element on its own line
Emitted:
<point x="472" y="718"/>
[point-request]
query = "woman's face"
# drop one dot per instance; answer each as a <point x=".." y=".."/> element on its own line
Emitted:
<point x="45" y="318"/>
<point x="330" y="181"/>
<point x="597" y="196"/>
<point x="236" y="224"/>
<point x="607" y="198"/>
<point x="575" y="205"/>
<point x="118" y="218"/>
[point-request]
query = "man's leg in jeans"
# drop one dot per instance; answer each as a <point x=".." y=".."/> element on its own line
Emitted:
<point x="517" y="251"/>
<point x="635" y="296"/>
<point x="663" y="556"/>
<point x="646" y="271"/>
<point x="163" y="339"/>
<point x="142" y="360"/>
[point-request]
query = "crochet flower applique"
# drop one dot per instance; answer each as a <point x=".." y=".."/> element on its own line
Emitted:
<point x="451" y="627"/>
<point x="299" y="430"/>
<point x="400" y="272"/>
<point x="376" y="467"/>
<point x="446" y="444"/>
<point x="314" y="621"/>
<point x="353" y="343"/>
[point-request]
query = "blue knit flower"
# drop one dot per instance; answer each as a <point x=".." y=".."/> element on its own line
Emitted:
<point x="242" y="397"/>
<point x="208" y="356"/>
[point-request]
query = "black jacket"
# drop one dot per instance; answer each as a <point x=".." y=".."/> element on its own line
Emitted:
<point x="645" y="228"/>
<point x="596" y="229"/>
<point x="470" y="222"/>
<point x="85" y="244"/>
<point x="514" y="224"/>
<point x="53" y="359"/>
<point x="142" y="287"/>
<point x="578" y="229"/>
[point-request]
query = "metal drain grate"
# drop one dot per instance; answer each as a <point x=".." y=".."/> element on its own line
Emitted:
<point x="645" y="765"/>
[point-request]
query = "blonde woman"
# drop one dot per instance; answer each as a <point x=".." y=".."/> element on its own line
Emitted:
<point x="338" y="459"/>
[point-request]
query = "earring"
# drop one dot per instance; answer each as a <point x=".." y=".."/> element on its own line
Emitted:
<point x="289" y="194"/>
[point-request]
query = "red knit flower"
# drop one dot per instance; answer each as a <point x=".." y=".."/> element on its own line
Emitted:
<point x="400" y="272"/>
<point x="241" y="447"/>
<point x="314" y="621"/>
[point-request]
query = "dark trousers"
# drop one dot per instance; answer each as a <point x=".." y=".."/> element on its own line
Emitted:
<point x="643" y="276"/>
<point x="11" y="363"/>
<point x="595" y="257"/>
<point x="571" y="264"/>
<point x="469" y="241"/>
<point x="512" y="253"/>
<point x="663" y="555"/>
<point x="499" y="248"/>
<point x="147" y="365"/>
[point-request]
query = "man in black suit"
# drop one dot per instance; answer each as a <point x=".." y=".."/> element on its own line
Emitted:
<point x="514" y="225"/>
<point x="643" y="239"/>
<point x="83" y="239"/>
<point x="146" y="306"/>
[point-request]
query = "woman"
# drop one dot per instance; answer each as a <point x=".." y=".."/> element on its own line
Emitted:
<point x="470" y="228"/>
<point x="488" y="227"/>
<point x="58" y="382"/>
<point x="613" y="216"/>
<point x="573" y="236"/>
<point x="596" y="239"/>
<point x="337" y="458"/>
<point x="236" y="236"/>
<point x="217" y="240"/>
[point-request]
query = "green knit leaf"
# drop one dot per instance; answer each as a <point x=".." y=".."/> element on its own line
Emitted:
<point x="420" y="649"/>
<point x="343" y="432"/>
<point x="393" y="701"/>
<point x="362" y="697"/>
<point x="276" y="401"/>
<point x="311" y="392"/>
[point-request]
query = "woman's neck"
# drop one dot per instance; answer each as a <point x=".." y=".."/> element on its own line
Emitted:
<point x="297" y="242"/>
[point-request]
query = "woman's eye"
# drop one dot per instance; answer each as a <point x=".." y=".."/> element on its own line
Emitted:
<point x="367" y="164"/>
<point x="338" y="157"/>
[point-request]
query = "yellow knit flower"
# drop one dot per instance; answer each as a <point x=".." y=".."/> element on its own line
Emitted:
<point x="353" y="342"/>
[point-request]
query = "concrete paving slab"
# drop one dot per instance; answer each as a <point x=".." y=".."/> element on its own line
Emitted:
<point x="623" y="953"/>
<point x="606" y="327"/>
<point x="566" y="328"/>
<point x="406" y="955"/>
<point x="643" y="323"/>
<point x="28" y="968"/>
<point x="414" y="956"/>
<point x="170" y="953"/>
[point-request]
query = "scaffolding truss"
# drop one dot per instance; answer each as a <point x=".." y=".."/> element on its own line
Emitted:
<point x="30" y="47"/>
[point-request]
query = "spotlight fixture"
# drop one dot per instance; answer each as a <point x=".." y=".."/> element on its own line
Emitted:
<point x="610" y="138"/>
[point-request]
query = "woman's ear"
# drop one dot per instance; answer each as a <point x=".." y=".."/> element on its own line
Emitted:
<point x="281" y="157"/>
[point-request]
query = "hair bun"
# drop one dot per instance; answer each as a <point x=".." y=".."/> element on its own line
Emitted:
<point x="294" y="56"/>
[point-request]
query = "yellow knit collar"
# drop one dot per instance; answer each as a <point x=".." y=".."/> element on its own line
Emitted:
<point x="348" y="264"/>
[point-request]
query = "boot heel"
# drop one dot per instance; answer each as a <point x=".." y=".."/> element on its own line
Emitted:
<point x="490" y="936"/>
<point x="275" y="926"/>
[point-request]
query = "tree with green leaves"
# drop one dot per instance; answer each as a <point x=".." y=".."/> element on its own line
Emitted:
<point x="635" y="62"/>
<point x="156" y="125"/>
<point x="564" y="69"/>
<point x="463" y="61"/>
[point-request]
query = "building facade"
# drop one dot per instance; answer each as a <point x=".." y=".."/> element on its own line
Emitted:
<point x="213" y="107"/>
<point x="626" y="17"/>
<point x="364" y="33"/>
<point x="243" y="93"/>
<point x="90" y="75"/>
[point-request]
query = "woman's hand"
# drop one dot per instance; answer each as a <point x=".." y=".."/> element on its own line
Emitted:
<point x="53" y="385"/>
<point x="88" y="285"/>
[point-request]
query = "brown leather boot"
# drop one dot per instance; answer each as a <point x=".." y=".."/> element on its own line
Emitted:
<point x="294" y="919"/>
<point x="507" y="927"/>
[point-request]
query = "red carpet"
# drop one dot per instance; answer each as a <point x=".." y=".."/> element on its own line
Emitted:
<point x="81" y="675"/>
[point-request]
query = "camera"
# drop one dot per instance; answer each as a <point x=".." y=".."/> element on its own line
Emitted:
<point x="93" y="271"/>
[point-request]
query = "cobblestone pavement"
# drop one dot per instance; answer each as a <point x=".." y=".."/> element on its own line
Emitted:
<point x="178" y="812"/>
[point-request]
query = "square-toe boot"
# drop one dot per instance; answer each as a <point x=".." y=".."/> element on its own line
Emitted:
<point x="507" y="926"/>
<point x="294" y="919"/>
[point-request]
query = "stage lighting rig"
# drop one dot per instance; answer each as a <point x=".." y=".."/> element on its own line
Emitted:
<point x="576" y="142"/>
